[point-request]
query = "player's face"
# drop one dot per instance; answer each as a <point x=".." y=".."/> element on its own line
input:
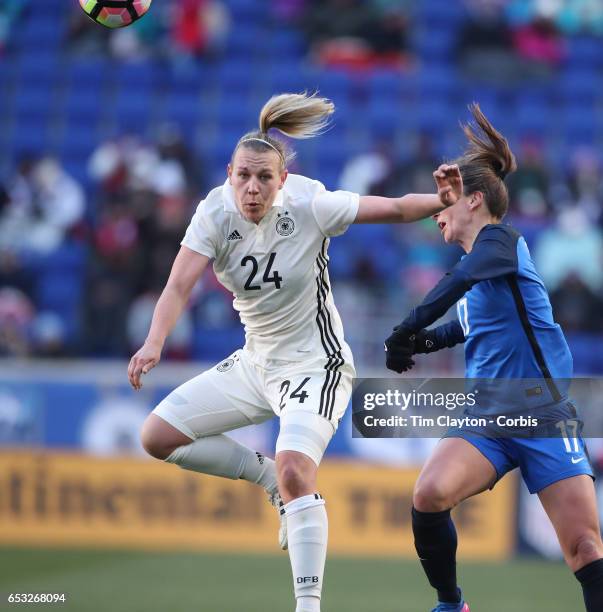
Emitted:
<point x="256" y="179"/>
<point x="454" y="220"/>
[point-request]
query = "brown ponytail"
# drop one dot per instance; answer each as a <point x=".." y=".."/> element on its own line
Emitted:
<point x="486" y="162"/>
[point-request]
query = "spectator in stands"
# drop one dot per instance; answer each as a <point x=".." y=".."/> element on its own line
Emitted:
<point x="114" y="276"/>
<point x="140" y="313"/>
<point x="362" y="172"/>
<point x="356" y="34"/>
<point x="530" y="214"/>
<point x="529" y="192"/>
<point x="146" y="190"/>
<point x="12" y="272"/>
<point x="116" y="236"/>
<point x="540" y="46"/>
<point x="48" y="335"/>
<point x="60" y="198"/>
<point x="199" y="28"/>
<point x="574" y="245"/>
<point x="532" y="173"/>
<point x="585" y="181"/>
<point x="128" y="164"/>
<point x="571" y="16"/>
<point x="577" y="308"/>
<point x="172" y="148"/>
<point x="333" y="19"/>
<point x="45" y="204"/>
<point x="413" y="174"/>
<point x="485" y="45"/>
<point x="387" y="36"/>
<point x="19" y="192"/>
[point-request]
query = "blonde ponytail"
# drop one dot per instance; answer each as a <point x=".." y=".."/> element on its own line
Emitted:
<point x="295" y="115"/>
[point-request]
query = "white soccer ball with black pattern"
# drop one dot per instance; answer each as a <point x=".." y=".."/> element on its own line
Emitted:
<point x="115" y="13"/>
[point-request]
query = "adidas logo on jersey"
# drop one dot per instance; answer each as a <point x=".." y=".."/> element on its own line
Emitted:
<point x="235" y="236"/>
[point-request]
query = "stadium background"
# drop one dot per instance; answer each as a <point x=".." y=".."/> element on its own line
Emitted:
<point x="107" y="142"/>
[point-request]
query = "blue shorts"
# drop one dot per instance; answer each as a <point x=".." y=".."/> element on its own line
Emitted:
<point x="542" y="461"/>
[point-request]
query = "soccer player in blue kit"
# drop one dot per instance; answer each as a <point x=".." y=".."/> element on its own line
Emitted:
<point x="506" y="323"/>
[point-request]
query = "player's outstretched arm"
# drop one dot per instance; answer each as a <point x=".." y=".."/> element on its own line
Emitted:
<point x="401" y="344"/>
<point x="408" y="208"/>
<point x="186" y="271"/>
<point x="413" y="206"/>
<point x="444" y="336"/>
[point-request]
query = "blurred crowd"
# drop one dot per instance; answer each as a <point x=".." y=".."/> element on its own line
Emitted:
<point x="355" y="33"/>
<point x="559" y="213"/>
<point x="83" y="258"/>
<point x="506" y="40"/>
<point x="178" y="30"/>
<point x="143" y="197"/>
<point x="519" y="36"/>
<point x="124" y="242"/>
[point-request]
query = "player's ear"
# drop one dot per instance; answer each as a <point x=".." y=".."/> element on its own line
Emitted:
<point x="284" y="175"/>
<point x="476" y="200"/>
<point x="229" y="172"/>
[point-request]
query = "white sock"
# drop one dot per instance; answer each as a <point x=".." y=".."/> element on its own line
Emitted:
<point x="308" y="604"/>
<point x="222" y="456"/>
<point x="308" y="530"/>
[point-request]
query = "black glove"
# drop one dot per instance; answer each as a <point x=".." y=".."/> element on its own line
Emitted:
<point x="399" y="348"/>
<point x="426" y="342"/>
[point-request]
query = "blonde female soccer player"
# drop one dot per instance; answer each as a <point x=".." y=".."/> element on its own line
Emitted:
<point x="267" y="233"/>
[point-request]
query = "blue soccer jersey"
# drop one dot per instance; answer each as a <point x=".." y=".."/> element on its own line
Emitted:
<point x="504" y="315"/>
<point x="505" y="320"/>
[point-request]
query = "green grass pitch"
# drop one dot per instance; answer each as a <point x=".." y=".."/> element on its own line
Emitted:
<point x="99" y="581"/>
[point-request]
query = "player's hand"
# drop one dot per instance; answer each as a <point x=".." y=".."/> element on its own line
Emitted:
<point x="142" y="362"/>
<point x="399" y="348"/>
<point x="449" y="182"/>
<point x="425" y="342"/>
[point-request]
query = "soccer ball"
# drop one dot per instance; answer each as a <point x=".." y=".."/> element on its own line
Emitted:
<point x="115" y="13"/>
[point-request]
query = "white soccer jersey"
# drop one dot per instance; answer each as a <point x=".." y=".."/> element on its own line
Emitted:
<point x="277" y="269"/>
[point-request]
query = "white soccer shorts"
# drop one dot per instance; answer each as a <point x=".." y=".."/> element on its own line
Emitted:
<point x="309" y="396"/>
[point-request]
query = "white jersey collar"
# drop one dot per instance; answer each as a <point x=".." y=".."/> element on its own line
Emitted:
<point x="229" y="200"/>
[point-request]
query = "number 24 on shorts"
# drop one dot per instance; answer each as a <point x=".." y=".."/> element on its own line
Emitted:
<point x="297" y="394"/>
